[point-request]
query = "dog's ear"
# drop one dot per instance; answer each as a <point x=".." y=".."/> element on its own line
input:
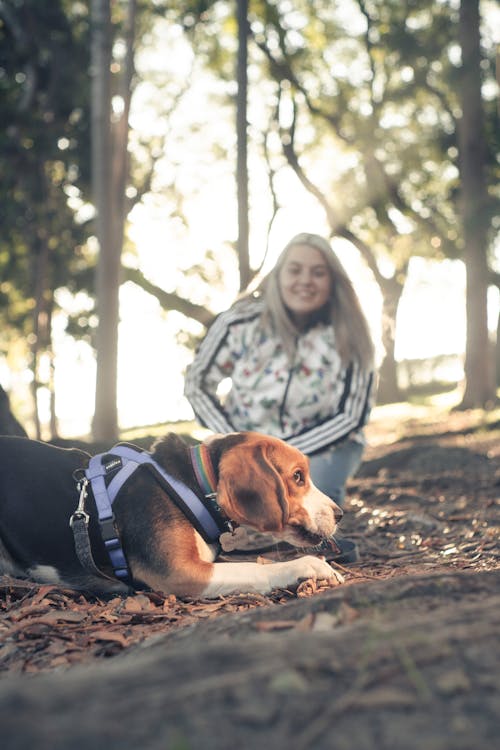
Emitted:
<point x="250" y="489"/>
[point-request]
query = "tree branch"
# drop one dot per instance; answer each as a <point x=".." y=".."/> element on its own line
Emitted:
<point x="336" y="228"/>
<point x="281" y="70"/>
<point x="170" y="300"/>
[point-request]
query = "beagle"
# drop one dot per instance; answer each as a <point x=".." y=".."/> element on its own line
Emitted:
<point x="131" y="518"/>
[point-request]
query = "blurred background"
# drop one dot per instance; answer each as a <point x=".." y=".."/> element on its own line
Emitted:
<point x="156" y="157"/>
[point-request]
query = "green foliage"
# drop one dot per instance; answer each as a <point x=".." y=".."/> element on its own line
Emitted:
<point x="373" y="80"/>
<point x="45" y="142"/>
<point x="376" y="81"/>
<point x="44" y="139"/>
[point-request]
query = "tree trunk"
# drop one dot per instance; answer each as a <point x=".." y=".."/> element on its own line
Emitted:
<point x="479" y="390"/>
<point x="389" y="391"/>
<point x="241" y="134"/>
<point x="119" y="140"/>
<point x="105" y="425"/>
<point x="42" y="321"/>
<point x="53" y="423"/>
<point x="497" y="353"/>
<point x="110" y="167"/>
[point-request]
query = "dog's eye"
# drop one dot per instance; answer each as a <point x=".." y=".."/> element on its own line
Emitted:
<point x="298" y="477"/>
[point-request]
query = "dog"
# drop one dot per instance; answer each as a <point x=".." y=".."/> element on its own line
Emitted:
<point x="161" y="530"/>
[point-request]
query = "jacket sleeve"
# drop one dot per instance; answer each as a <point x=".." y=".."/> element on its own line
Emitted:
<point x="351" y="415"/>
<point x="214" y="361"/>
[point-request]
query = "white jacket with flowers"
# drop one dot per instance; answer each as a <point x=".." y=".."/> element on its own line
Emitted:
<point x="312" y="403"/>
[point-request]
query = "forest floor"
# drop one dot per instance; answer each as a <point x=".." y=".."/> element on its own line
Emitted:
<point x="405" y="654"/>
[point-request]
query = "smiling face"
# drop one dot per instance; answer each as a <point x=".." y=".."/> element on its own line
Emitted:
<point x="305" y="283"/>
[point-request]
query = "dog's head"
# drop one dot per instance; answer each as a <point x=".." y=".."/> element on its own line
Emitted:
<point x="265" y="483"/>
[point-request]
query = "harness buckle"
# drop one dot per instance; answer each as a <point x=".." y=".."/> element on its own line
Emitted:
<point x="80" y="514"/>
<point x="108" y="530"/>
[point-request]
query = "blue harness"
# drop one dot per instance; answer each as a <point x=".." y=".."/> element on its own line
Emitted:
<point x="119" y="464"/>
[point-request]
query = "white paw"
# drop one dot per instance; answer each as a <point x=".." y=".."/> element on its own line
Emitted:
<point x="338" y="576"/>
<point x="317" y="568"/>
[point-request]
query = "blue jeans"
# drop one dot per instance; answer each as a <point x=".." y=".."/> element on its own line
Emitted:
<point x="331" y="468"/>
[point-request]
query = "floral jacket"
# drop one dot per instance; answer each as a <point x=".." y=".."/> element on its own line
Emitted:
<point x="312" y="403"/>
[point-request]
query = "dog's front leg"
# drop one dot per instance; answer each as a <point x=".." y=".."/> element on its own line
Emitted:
<point x="234" y="578"/>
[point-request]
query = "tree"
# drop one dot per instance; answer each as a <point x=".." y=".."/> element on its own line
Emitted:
<point x="105" y="425"/>
<point x="113" y="81"/>
<point x="241" y="135"/>
<point x="46" y="187"/>
<point x="480" y="385"/>
<point x="44" y="177"/>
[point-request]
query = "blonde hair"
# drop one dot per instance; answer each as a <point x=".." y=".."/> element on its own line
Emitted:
<point x="343" y="311"/>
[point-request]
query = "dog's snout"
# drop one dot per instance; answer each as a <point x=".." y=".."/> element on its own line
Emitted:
<point x="338" y="513"/>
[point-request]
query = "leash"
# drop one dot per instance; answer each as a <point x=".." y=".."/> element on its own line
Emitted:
<point x="79" y="522"/>
<point x="108" y="472"/>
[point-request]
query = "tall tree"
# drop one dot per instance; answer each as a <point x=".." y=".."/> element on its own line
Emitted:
<point x="105" y="425"/>
<point x="110" y="170"/>
<point x="241" y="135"/>
<point x="480" y="388"/>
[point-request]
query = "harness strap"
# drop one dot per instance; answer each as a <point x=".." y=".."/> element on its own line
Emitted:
<point x="122" y="461"/>
<point x="199" y="511"/>
<point x="95" y="473"/>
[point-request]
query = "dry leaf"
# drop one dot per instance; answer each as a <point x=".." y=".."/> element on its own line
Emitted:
<point x="307" y="588"/>
<point x="138" y="603"/>
<point x="54" y="616"/>
<point x="111" y="636"/>
<point x="169" y="602"/>
<point x="39" y="597"/>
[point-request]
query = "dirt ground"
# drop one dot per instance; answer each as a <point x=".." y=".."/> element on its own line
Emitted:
<point x="405" y="654"/>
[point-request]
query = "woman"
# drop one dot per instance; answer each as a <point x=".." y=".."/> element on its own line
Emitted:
<point x="299" y="356"/>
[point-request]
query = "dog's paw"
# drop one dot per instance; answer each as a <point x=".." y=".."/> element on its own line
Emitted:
<point x="338" y="576"/>
<point x="292" y="572"/>
<point x="317" y="568"/>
